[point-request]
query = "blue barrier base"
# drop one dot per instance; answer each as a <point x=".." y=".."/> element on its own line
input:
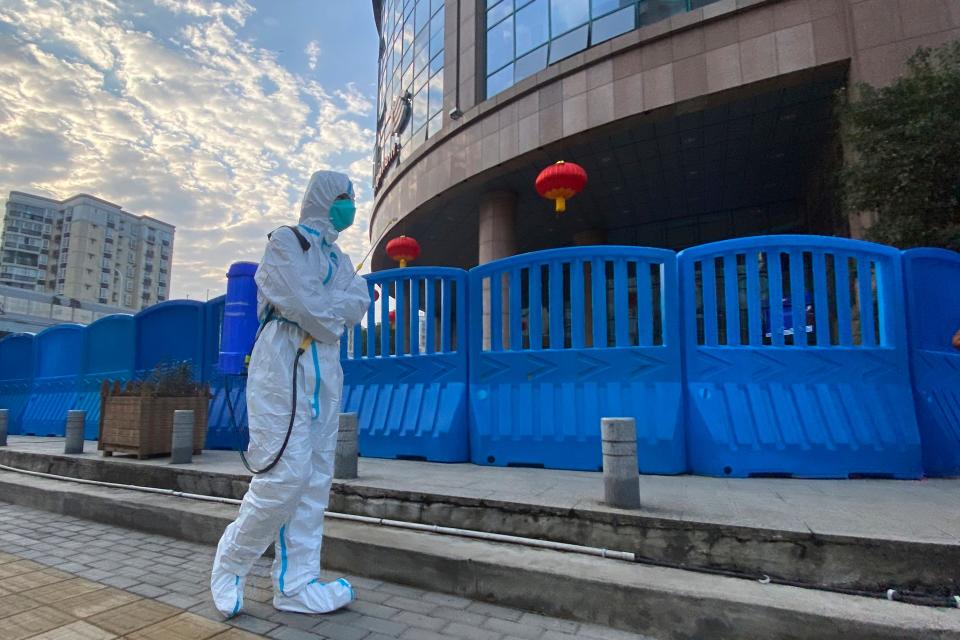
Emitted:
<point x="937" y="394"/>
<point x="222" y="433"/>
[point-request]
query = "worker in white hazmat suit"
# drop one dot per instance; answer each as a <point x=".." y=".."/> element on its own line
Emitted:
<point x="307" y="294"/>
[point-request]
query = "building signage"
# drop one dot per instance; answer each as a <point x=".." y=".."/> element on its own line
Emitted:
<point x="396" y="124"/>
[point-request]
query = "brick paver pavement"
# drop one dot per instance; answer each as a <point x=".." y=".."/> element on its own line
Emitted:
<point x="63" y="578"/>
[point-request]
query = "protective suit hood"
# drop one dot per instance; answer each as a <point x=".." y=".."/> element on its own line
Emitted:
<point x="323" y="189"/>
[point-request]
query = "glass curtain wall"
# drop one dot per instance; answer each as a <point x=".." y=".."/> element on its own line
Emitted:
<point x="524" y="36"/>
<point x="410" y="101"/>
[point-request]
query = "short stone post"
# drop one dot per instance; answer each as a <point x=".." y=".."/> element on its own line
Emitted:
<point x="621" y="480"/>
<point x="74" y="431"/>
<point x="4" y="421"/>
<point x="345" y="462"/>
<point x="181" y="447"/>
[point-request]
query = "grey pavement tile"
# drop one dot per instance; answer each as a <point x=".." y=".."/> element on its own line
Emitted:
<point x="364" y="583"/>
<point x="459" y="615"/>
<point x="180" y="601"/>
<point x="553" y="624"/>
<point x="147" y="590"/>
<point x="421" y="621"/>
<point x="296" y="620"/>
<point x="287" y="633"/>
<point x="597" y="632"/>
<point x="470" y="632"/>
<point x="421" y="634"/>
<point x="402" y="590"/>
<point x="419" y="605"/>
<point x="157" y="579"/>
<point x="496" y="611"/>
<point x="94" y="574"/>
<point x="120" y="582"/>
<point x="372" y="595"/>
<point x="513" y="628"/>
<point x="208" y="611"/>
<point x="337" y="631"/>
<point x="252" y="624"/>
<point x="190" y="588"/>
<point x="69" y="566"/>
<point x="558" y="635"/>
<point x="374" y="609"/>
<point x="386" y="627"/>
<point x="454" y="602"/>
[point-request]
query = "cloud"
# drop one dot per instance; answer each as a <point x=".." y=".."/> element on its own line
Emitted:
<point x="313" y="53"/>
<point x="166" y="110"/>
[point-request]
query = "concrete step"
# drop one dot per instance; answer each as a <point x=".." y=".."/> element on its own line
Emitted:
<point x="872" y="564"/>
<point x="661" y="602"/>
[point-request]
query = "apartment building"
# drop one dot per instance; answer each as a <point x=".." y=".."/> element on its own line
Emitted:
<point x="86" y="249"/>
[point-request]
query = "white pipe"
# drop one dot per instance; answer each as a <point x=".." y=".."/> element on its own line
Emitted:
<point x="398" y="524"/>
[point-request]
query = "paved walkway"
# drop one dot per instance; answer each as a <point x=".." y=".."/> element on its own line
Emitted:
<point x="923" y="511"/>
<point x="62" y="578"/>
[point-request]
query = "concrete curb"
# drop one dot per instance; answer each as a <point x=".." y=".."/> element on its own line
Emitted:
<point x="868" y="564"/>
<point x="666" y="603"/>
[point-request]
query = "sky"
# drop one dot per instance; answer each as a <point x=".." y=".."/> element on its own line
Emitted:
<point x="209" y="115"/>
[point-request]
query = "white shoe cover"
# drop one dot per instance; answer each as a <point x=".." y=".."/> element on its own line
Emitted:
<point x="317" y="597"/>
<point x="227" y="590"/>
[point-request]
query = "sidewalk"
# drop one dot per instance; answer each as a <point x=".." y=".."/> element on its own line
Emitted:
<point x="63" y="578"/>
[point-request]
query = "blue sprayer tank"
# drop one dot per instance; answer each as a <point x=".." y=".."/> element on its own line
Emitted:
<point x="239" y="318"/>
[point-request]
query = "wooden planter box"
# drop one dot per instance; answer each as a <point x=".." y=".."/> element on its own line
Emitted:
<point x="143" y="425"/>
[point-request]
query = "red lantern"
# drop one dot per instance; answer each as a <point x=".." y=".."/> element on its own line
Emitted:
<point x="561" y="181"/>
<point x="403" y="250"/>
<point x="392" y="317"/>
<point x="376" y="294"/>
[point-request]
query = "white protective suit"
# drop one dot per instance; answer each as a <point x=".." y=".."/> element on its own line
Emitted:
<point x="314" y="294"/>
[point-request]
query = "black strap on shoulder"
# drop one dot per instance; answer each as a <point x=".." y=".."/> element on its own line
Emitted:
<point x="304" y="243"/>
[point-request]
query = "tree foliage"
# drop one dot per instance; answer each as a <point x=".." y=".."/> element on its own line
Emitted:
<point x="905" y="139"/>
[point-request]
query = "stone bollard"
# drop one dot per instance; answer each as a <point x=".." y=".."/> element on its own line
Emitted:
<point x="4" y="421"/>
<point x="74" y="432"/>
<point x="345" y="462"/>
<point x="181" y="447"/>
<point x="621" y="480"/>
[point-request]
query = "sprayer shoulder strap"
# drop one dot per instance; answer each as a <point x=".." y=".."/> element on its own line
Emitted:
<point x="304" y="243"/>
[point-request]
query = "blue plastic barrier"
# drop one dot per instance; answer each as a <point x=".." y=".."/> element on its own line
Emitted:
<point x="108" y="355"/>
<point x="168" y="333"/>
<point x="59" y="364"/>
<point x="834" y="402"/>
<point x="933" y="317"/>
<point x="221" y="432"/>
<point x="16" y="377"/>
<point x="560" y="339"/>
<point x="411" y="401"/>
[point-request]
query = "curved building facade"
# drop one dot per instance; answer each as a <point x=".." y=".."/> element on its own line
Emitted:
<point x="696" y="120"/>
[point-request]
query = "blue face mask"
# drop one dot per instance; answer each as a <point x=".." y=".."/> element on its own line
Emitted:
<point x="342" y="213"/>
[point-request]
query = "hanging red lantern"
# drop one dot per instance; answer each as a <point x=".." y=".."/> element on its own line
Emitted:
<point x="392" y="317"/>
<point x="561" y="181"/>
<point x="403" y="250"/>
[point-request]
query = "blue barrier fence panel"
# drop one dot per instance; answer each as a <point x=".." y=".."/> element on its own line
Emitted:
<point x="108" y="355"/>
<point x="817" y="388"/>
<point x="16" y="377"/>
<point x="562" y="338"/>
<point x="168" y="333"/>
<point x="407" y="379"/>
<point x="58" y="368"/>
<point x="223" y="432"/>
<point x="933" y="316"/>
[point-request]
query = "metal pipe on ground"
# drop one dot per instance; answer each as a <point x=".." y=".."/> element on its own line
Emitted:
<point x="181" y="446"/>
<point x="73" y="443"/>
<point x="621" y="477"/>
<point x="345" y="461"/>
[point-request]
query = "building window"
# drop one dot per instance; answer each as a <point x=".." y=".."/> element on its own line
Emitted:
<point x="410" y="101"/>
<point x="127" y="300"/>
<point x="524" y="36"/>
